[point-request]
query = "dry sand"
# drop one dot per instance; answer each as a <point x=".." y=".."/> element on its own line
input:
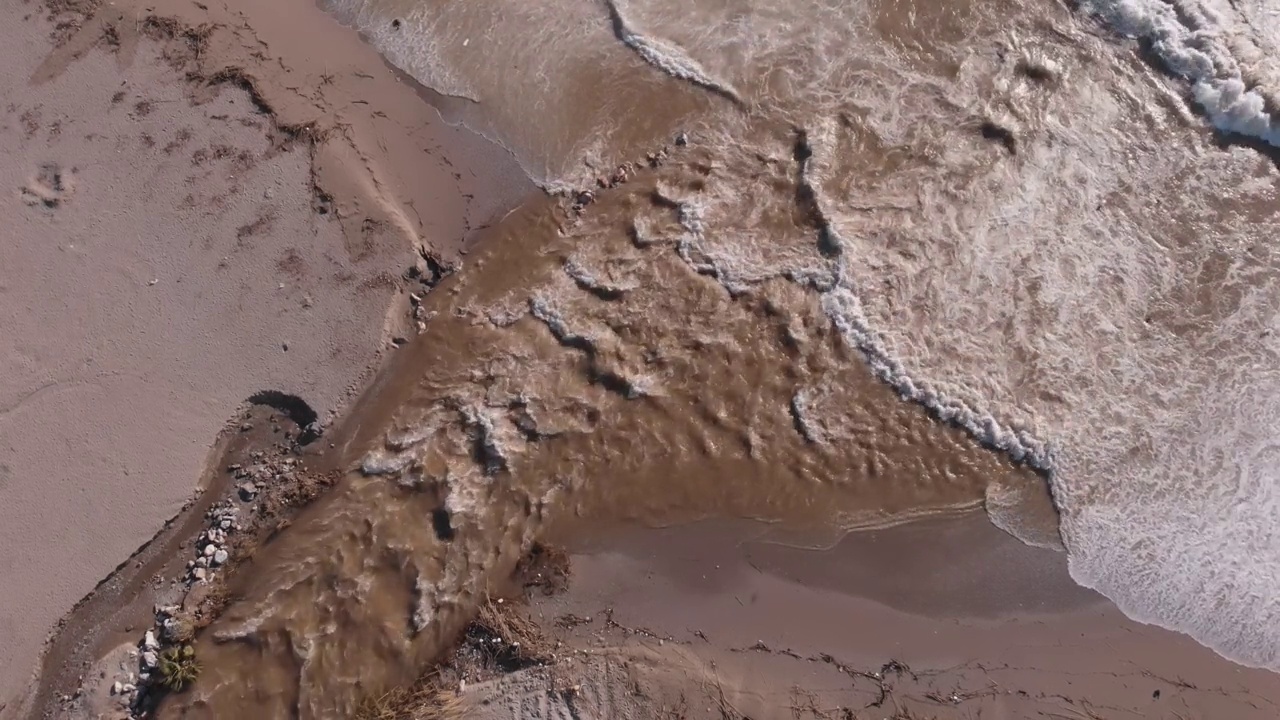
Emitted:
<point x="941" y="619"/>
<point x="170" y="251"/>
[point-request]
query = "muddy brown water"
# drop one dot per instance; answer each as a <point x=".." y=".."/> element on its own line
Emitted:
<point x="890" y="237"/>
<point x="661" y="398"/>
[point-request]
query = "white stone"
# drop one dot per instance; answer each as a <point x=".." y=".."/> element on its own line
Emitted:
<point x="199" y="573"/>
<point x="150" y="659"/>
<point x="149" y="641"/>
<point x="117" y="688"/>
<point x="210" y="549"/>
<point x="220" y="557"/>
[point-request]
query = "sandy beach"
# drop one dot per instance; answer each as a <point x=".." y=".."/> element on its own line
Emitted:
<point x="303" y="377"/>
<point x="174" y="252"/>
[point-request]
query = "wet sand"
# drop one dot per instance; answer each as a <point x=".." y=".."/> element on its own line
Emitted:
<point x="180" y="244"/>
<point x="939" y="619"/>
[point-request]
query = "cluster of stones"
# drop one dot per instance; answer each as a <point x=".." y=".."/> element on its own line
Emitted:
<point x="211" y="551"/>
<point x="133" y="688"/>
<point x="421" y="316"/>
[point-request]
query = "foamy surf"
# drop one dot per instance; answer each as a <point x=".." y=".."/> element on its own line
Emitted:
<point x="1228" y="51"/>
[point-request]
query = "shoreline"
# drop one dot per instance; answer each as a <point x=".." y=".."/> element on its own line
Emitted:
<point x="961" y="619"/>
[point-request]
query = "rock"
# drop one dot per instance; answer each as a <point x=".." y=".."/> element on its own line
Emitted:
<point x="199" y="573"/>
<point x="682" y="139"/>
<point x="150" y="659"/>
<point x="225" y="524"/>
<point x="220" y="557"/>
<point x="210" y="549"/>
<point x="202" y="562"/>
<point x="149" y="641"/>
<point x="170" y="629"/>
<point x="248" y="491"/>
<point x="128" y="688"/>
<point x="117" y="688"/>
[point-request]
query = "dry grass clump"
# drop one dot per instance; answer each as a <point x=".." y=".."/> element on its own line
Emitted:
<point x="426" y="701"/>
<point x="505" y="638"/>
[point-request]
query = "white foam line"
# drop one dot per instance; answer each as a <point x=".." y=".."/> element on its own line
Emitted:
<point x="843" y="307"/>
<point x="1199" y="53"/>
<point x="668" y="58"/>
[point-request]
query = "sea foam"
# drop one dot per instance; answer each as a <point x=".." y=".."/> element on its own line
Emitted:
<point x="1227" y="56"/>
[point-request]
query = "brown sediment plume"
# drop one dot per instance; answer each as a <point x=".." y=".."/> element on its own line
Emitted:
<point x="533" y="395"/>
